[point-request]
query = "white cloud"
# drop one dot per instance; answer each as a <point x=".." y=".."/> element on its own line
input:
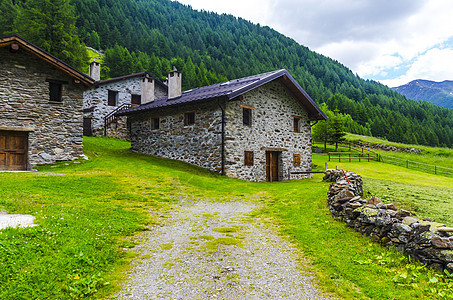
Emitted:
<point x="376" y="39"/>
<point x="436" y="64"/>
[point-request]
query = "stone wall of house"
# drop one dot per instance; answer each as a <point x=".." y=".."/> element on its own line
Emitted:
<point x="198" y="144"/>
<point x="430" y="243"/>
<point x="118" y="129"/>
<point x="24" y="103"/>
<point x="274" y="108"/>
<point x="96" y="101"/>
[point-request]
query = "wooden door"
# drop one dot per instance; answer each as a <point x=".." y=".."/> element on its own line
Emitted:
<point x="13" y="150"/>
<point x="272" y="167"/>
<point x="87" y="127"/>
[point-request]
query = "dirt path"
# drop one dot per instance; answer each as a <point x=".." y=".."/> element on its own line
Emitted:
<point x="210" y="251"/>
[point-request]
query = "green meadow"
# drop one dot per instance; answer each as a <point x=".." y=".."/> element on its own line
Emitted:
<point x="87" y="211"/>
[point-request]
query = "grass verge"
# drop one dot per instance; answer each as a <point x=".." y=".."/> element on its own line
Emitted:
<point x="86" y="210"/>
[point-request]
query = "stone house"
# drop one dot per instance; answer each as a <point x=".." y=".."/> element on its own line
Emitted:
<point x="41" y="100"/>
<point x="107" y="97"/>
<point x="255" y="128"/>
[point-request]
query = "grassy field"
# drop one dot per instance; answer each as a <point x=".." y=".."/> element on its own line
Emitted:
<point x="87" y="209"/>
<point x="430" y="155"/>
<point x="425" y="195"/>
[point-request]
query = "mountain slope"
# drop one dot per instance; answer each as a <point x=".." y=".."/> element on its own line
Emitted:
<point x="234" y="47"/>
<point x="154" y="35"/>
<point x="439" y="93"/>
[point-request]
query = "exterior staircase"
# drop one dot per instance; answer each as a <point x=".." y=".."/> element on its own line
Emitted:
<point x="111" y="117"/>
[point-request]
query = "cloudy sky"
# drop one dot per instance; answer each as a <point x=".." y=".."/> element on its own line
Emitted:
<point x="392" y="41"/>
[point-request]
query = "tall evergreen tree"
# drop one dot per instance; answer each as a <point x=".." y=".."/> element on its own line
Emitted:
<point x="337" y="124"/>
<point x="50" y="24"/>
<point x="9" y="14"/>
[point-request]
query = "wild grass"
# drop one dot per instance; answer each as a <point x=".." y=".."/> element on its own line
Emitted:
<point x="425" y="195"/>
<point x="86" y="211"/>
<point x="442" y="157"/>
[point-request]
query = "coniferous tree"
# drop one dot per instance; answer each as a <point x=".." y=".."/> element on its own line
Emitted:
<point x="337" y="123"/>
<point x="9" y="14"/>
<point x="50" y="24"/>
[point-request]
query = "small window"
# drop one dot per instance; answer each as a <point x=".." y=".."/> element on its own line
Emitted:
<point x="297" y="160"/>
<point x="248" y="158"/>
<point x="55" y="91"/>
<point x="189" y="118"/>
<point x="247" y="116"/>
<point x="155" y="123"/>
<point x="112" y="98"/>
<point x="136" y="99"/>
<point x="296" y="124"/>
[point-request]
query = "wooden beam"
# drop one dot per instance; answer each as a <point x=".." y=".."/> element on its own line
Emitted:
<point x="245" y="106"/>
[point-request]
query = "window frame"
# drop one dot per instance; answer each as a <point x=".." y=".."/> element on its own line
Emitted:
<point x="155" y="123"/>
<point x="296" y="159"/>
<point x="246" y="116"/>
<point x="53" y="83"/>
<point x="248" y="158"/>
<point x="296" y="123"/>
<point x="189" y="118"/>
<point x="52" y="91"/>
<point x="136" y="96"/>
<point x="115" y="95"/>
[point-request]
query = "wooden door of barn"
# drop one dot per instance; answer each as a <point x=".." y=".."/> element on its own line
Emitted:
<point x="272" y="167"/>
<point x="13" y="150"/>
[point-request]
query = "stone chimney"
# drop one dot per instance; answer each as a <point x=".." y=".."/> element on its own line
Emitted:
<point x="174" y="84"/>
<point x="147" y="89"/>
<point x="95" y="70"/>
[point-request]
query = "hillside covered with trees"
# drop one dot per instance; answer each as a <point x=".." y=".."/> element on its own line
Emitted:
<point x="154" y="35"/>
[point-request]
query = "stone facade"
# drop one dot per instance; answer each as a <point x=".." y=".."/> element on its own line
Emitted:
<point x="54" y="128"/>
<point x="273" y="110"/>
<point x="198" y="144"/>
<point x="96" y="106"/>
<point x="272" y="129"/>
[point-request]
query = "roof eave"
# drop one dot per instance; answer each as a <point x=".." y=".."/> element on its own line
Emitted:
<point x="315" y="112"/>
<point x="44" y="55"/>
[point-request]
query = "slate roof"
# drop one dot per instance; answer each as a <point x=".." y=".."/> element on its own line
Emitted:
<point x="232" y="89"/>
<point x="140" y="74"/>
<point x="46" y="56"/>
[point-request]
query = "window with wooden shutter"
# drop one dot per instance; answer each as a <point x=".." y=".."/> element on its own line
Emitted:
<point x="189" y="118"/>
<point x="247" y="116"/>
<point x="297" y="160"/>
<point x="136" y="99"/>
<point x="112" y="98"/>
<point x="248" y="158"/>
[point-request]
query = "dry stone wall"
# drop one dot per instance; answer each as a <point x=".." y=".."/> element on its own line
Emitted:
<point x="274" y="108"/>
<point x="24" y="103"/>
<point x="428" y="242"/>
<point x="388" y="147"/>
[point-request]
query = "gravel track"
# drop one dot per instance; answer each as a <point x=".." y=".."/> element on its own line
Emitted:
<point x="212" y="251"/>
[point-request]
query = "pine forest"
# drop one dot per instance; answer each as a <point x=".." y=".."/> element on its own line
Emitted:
<point x="155" y="35"/>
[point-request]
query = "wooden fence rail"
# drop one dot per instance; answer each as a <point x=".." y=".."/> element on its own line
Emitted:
<point x="349" y="156"/>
